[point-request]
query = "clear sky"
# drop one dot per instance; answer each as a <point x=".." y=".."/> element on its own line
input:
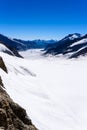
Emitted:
<point x="44" y="19"/>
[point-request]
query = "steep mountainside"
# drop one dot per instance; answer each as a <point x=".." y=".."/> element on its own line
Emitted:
<point x="72" y="45"/>
<point x="11" y="45"/>
<point x="4" y="49"/>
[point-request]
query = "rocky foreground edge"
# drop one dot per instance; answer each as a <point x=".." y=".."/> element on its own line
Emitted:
<point x="12" y="116"/>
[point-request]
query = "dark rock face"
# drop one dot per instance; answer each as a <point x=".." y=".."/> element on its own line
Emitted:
<point x="2" y="65"/>
<point x="11" y="45"/>
<point x="12" y="116"/>
<point x="1" y="84"/>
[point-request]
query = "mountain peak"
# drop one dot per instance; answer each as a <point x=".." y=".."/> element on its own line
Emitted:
<point x="72" y="36"/>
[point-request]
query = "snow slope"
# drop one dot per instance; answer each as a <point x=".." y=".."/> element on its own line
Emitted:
<point x="3" y="48"/>
<point x="73" y="36"/>
<point x="52" y="90"/>
<point x="80" y="42"/>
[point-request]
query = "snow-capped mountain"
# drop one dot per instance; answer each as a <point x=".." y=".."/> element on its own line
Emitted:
<point x="72" y="36"/>
<point x="72" y="46"/>
<point x="11" y="45"/>
<point x="16" y="45"/>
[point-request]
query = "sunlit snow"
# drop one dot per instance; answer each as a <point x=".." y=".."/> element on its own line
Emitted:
<point x="80" y="42"/>
<point x="52" y="90"/>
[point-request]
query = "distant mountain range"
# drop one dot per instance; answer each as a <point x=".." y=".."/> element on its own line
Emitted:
<point x="15" y="45"/>
<point x="73" y="45"/>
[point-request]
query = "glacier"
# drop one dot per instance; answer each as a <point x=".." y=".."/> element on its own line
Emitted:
<point x="52" y="90"/>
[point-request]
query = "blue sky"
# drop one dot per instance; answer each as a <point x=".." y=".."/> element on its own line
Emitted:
<point x="44" y="19"/>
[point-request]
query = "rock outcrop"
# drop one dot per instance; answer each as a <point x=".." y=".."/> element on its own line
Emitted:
<point x="12" y="116"/>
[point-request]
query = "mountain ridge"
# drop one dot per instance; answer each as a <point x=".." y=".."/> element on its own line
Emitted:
<point x="72" y="45"/>
<point x="67" y="46"/>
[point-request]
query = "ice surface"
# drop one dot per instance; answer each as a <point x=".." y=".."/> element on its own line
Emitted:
<point x="52" y="90"/>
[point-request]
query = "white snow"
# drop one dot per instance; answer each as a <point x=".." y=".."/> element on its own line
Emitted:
<point x="52" y="90"/>
<point x="74" y="36"/>
<point x="80" y="42"/>
<point x="3" y="48"/>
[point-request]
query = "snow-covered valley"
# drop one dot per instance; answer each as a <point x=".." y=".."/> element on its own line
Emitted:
<point x="52" y="90"/>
